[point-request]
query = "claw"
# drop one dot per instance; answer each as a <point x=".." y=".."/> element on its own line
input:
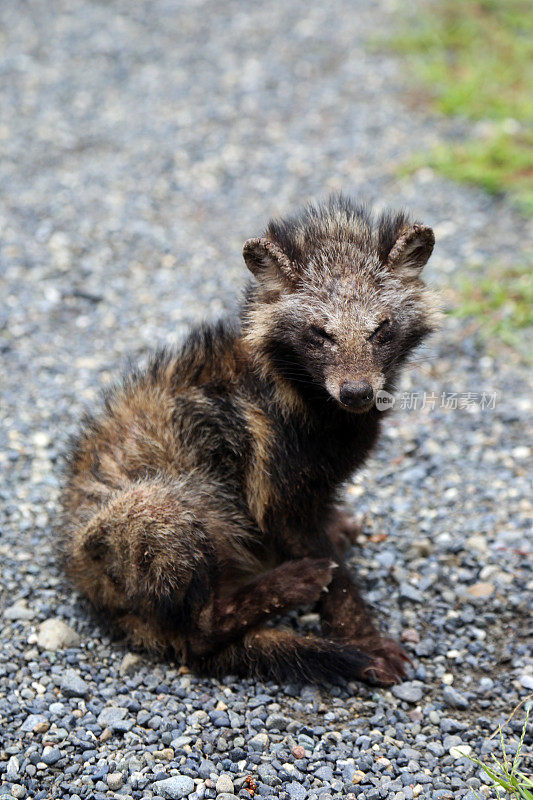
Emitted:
<point x="380" y="674"/>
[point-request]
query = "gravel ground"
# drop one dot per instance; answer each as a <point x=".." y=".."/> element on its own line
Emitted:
<point x="141" y="144"/>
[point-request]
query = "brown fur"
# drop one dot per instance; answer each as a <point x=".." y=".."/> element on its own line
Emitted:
<point x="200" y="502"/>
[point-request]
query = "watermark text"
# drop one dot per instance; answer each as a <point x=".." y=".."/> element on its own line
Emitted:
<point x="420" y="401"/>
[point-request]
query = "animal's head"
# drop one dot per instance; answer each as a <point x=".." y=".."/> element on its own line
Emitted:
<point x="339" y="302"/>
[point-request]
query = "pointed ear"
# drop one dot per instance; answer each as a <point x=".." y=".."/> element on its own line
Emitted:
<point x="411" y="250"/>
<point x="268" y="263"/>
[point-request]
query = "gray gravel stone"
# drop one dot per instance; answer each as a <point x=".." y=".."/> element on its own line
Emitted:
<point x="276" y="722"/>
<point x="175" y="787"/>
<point x="436" y="748"/>
<point x="260" y="742"/>
<point x="410" y="691"/>
<point x="206" y="769"/>
<point x="527" y="681"/>
<point x="296" y="791"/>
<point x="73" y="686"/>
<point x="51" y="755"/>
<point x="453" y="698"/>
<point x="19" y="611"/>
<point x="12" y="769"/>
<point x="268" y="774"/>
<point x="324" y="773"/>
<point x="32" y="721"/>
<point x="408" y="592"/>
<point x="114" y="719"/>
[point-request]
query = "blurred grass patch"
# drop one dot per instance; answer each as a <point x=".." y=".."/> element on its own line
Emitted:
<point x="501" y="302"/>
<point x="476" y="59"/>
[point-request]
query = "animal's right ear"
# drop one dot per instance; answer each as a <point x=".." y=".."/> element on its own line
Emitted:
<point x="268" y="263"/>
<point x="412" y="250"/>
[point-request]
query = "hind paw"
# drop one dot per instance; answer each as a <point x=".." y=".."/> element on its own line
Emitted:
<point x="388" y="664"/>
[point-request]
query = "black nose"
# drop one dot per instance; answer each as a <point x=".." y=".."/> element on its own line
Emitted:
<point x="356" y="394"/>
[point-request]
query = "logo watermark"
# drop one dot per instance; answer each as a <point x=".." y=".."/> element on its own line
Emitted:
<point x="384" y="400"/>
<point x="419" y="401"/>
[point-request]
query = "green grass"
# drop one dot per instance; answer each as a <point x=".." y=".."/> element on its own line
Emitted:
<point x="475" y="57"/>
<point x="508" y="779"/>
<point x="500" y="300"/>
<point x="501" y="163"/>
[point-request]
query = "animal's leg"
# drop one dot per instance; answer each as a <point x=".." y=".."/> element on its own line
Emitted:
<point x="292" y="584"/>
<point x="345" y="617"/>
<point x="280" y="655"/>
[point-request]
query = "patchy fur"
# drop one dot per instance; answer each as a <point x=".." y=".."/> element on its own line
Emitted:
<point x="200" y="502"/>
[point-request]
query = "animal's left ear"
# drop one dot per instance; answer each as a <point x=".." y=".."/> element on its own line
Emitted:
<point x="411" y="250"/>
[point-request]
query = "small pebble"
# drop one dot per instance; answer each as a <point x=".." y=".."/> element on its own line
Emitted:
<point x="54" y="634"/>
<point x="453" y="698"/>
<point x="409" y="691"/>
<point x="410" y="635"/>
<point x="114" y="780"/>
<point x="72" y="685"/>
<point x="260" y="742"/>
<point x="19" y="611"/>
<point x="12" y="768"/>
<point x="460" y="751"/>
<point x="51" y="755"/>
<point x="481" y="590"/>
<point x="295" y="790"/>
<point x="224" y="784"/>
<point x="175" y="787"/>
<point x="130" y="664"/>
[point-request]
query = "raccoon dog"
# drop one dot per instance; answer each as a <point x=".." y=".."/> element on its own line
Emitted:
<point x="201" y="501"/>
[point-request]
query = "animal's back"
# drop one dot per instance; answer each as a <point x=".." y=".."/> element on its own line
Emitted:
<point x="152" y="485"/>
<point x="158" y="421"/>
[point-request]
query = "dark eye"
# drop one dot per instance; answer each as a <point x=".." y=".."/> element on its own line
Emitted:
<point x="319" y="334"/>
<point x="382" y="332"/>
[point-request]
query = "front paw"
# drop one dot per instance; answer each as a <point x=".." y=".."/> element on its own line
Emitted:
<point x="303" y="581"/>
